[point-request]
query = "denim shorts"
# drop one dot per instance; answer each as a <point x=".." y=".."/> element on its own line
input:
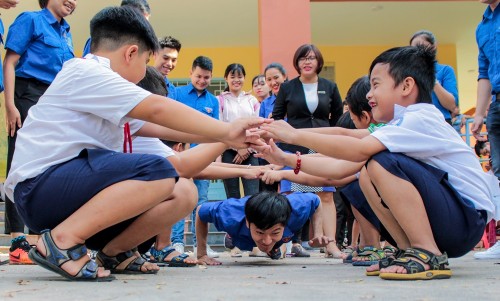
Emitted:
<point x="48" y="199"/>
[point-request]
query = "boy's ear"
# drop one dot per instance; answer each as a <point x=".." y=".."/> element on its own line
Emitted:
<point x="131" y="51"/>
<point x="178" y="147"/>
<point x="366" y="118"/>
<point x="248" y="224"/>
<point x="409" y="86"/>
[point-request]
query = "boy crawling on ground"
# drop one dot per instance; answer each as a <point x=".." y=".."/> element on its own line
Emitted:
<point x="266" y="220"/>
<point x="422" y="181"/>
<point x="69" y="174"/>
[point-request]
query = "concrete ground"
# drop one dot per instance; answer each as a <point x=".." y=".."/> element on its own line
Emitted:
<point x="246" y="278"/>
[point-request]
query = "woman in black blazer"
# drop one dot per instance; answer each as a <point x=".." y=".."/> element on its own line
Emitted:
<point x="310" y="101"/>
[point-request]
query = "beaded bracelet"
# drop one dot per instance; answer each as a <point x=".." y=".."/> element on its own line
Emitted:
<point x="297" y="166"/>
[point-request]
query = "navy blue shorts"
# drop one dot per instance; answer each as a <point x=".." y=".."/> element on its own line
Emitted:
<point x="48" y="199"/>
<point x="456" y="225"/>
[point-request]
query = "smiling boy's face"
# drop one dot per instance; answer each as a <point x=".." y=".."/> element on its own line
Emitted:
<point x="266" y="239"/>
<point x="383" y="94"/>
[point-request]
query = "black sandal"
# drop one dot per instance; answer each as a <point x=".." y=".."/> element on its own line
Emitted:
<point x="56" y="257"/>
<point x="116" y="264"/>
<point x="416" y="270"/>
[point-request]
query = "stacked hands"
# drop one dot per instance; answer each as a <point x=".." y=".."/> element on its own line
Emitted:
<point x="260" y="135"/>
<point x="259" y="140"/>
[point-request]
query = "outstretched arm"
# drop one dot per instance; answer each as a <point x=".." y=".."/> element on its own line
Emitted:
<point x="172" y="114"/>
<point x="319" y="239"/>
<point x="340" y="147"/>
<point x="193" y="161"/>
<point x="272" y="176"/>
<point x="201" y="236"/>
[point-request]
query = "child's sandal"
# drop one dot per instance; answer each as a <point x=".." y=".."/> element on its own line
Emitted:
<point x="370" y="254"/>
<point x="56" y="257"/>
<point x="416" y="270"/>
<point x="386" y="262"/>
<point x="123" y="263"/>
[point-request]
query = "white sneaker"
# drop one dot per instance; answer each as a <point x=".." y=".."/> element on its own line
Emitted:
<point x="212" y="253"/>
<point x="179" y="247"/>
<point x="492" y="253"/>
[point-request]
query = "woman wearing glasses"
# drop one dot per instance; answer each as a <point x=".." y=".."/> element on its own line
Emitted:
<point x="310" y="101"/>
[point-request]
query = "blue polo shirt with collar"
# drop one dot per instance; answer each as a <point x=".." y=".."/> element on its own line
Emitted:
<point x="2" y="30"/>
<point x="206" y="102"/>
<point x="445" y="75"/>
<point x="229" y="216"/>
<point x="488" y="42"/>
<point x="172" y="93"/>
<point x="43" y="43"/>
<point x="267" y="106"/>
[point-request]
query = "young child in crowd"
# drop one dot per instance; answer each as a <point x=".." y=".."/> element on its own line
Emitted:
<point x="425" y="184"/>
<point x="73" y="182"/>
<point x="266" y="220"/>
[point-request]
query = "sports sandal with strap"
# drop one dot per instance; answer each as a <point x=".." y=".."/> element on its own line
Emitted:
<point x="415" y="270"/>
<point x="385" y="262"/>
<point x="177" y="261"/>
<point x="370" y="255"/>
<point x="56" y="257"/>
<point x="123" y="263"/>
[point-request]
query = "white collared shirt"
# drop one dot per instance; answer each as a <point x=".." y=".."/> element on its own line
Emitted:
<point x="84" y="107"/>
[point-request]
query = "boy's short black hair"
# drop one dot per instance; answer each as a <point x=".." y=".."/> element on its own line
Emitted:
<point x="141" y="5"/>
<point x="114" y="27"/>
<point x="170" y="42"/>
<point x="203" y="62"/>
<point x="427" y="35"/>
<point x="416" y="62"/>
<point x="345" y="121"/>
<point x="153" y="82"/>
<point x="43" y="3"/>
<point x="356" y="96"/>
<point x="266" y="209"/>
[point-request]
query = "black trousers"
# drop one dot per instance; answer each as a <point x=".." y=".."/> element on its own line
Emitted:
<point x="27" y="92"/>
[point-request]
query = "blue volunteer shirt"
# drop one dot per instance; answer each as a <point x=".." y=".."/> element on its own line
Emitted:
<point x="487" y="38"/>
<point x="43" y="44"/>
<point x="172" y="93"/>
<point x="267" y="106"/>
<point x="229" y="216"/>
<point x="2" y="30"/>
<point x="446" y="78"/>
<point x="86" y="48"/>
<point x="206" y="102"/>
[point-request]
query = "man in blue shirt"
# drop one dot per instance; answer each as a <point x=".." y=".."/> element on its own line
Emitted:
<point x="196" y="96"/>
<point x="266" y="220"/>
<point x="488" y="93"/>
<point x="166" y="60"/>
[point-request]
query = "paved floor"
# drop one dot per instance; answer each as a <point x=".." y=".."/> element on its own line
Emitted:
<point x="247" y="278"/>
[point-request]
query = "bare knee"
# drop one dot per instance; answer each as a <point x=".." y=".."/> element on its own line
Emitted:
<point x="186" y="193"/>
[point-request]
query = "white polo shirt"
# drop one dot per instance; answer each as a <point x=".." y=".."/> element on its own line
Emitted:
<point x="84" y="107"/>
<point x="420" y="132"/>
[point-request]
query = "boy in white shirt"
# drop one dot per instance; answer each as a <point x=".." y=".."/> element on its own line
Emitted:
<point x="421" y="180"/>
<point x="69" y="174"/>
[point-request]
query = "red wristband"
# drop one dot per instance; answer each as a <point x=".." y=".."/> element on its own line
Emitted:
<point x="297" y="166"/>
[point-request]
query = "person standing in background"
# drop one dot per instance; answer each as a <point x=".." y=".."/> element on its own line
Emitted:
<point x="488" y="94"/>
<point x="445" y="92"/>
<point x="166" y="60"/>
<point x="37" y="45"/>
<point x="310" y="101"/>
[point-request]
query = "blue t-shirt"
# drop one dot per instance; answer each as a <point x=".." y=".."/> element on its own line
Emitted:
<point x="172" y="93"/>
<point x="43" y="43"/>
<point x="1" y="42"/>
<point x="267" y="106"/>
<point x="229" y="216"/>
<point x="488" y="41"/>
<point x="446" y="78"/>
<point x="206" y="102"/>
<point x="86" y="48"/>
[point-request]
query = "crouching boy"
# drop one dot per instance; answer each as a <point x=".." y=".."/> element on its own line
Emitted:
<point x="266" y="220"/>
